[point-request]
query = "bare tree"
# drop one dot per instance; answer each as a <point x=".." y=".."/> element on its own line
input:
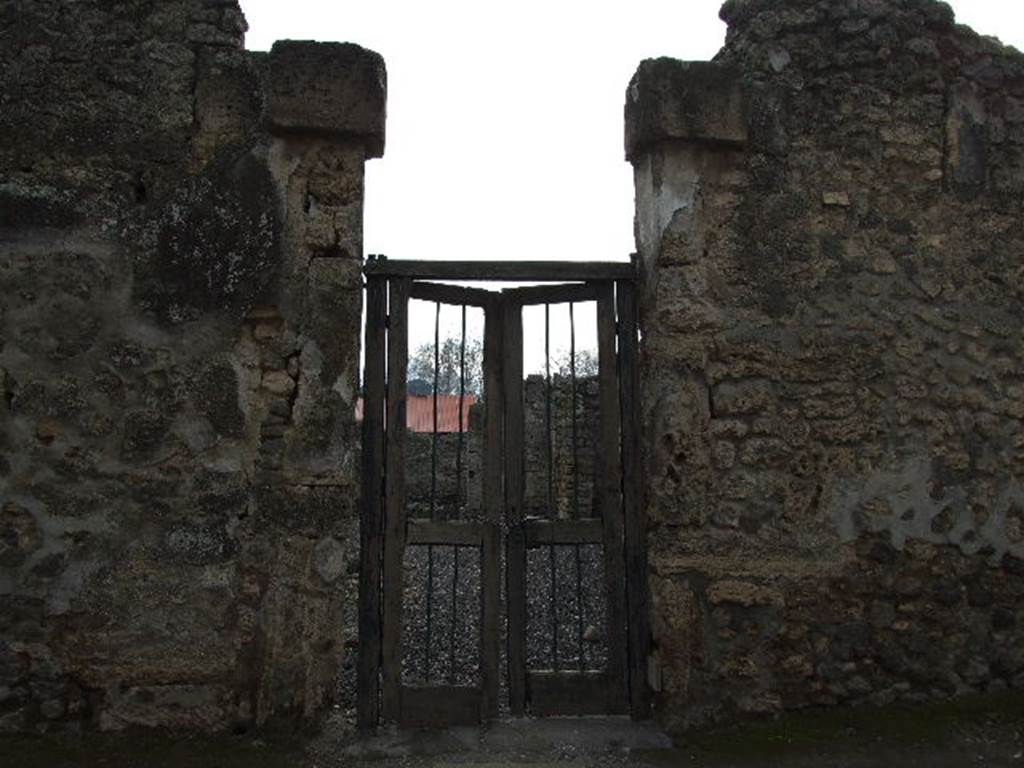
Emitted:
<point x="421" y="368"/>
<point x="586" y="363"/>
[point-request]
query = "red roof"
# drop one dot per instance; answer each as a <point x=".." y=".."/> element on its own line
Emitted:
<point x="419" y="412"/>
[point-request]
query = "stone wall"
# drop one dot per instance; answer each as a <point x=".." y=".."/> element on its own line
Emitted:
<point x="829" y="222"/>
<point x="180" y="244"/>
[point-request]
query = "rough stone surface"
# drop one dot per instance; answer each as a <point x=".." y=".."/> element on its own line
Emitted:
<point x="335" y="89"/>
<point x="832" y="382"/>
<point x="178" y="356"/>
<point x="690" y="100"/>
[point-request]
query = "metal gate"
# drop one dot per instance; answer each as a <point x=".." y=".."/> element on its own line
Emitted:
<point x="550" y="616"/>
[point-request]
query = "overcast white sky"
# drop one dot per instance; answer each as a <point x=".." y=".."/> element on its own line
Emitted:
<point x="504" y="128"/>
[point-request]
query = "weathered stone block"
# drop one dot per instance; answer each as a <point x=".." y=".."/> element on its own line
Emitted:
<point x="695" y="101"/>
<point x="328" y="89"/>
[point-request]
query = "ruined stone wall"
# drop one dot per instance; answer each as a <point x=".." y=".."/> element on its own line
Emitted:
<point x="829" y="220"/>
<point x="180" y="235"/>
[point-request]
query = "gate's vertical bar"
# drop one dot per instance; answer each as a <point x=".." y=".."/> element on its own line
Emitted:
<point x="490" y="556"/>
<point x="572" y="406"/>
<point x="636" y="519"/>
<point x="394" y="494"/>
<point x="580" y="611"/>
<point x="515" y="558"/>
<point x="458" y="505"/>
<point x="370" y="527"/>
<point x="552" y="512"/>
<point x="433" y="497"/>
<point x="609" y="495"/>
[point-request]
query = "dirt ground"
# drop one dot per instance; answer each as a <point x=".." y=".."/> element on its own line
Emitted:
<point x="985" y="731"/>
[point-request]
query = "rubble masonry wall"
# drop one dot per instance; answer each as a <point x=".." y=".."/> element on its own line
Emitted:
<point x="829" y="222"/>
<point x="180" y="245"/>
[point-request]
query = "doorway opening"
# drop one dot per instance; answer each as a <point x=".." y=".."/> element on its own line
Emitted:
<point x="503" y="561"/>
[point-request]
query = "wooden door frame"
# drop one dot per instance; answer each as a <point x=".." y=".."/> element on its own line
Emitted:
<point x="431" y="704"/>
<point x="562" y="692"/>
<point x="382" y="528"/>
